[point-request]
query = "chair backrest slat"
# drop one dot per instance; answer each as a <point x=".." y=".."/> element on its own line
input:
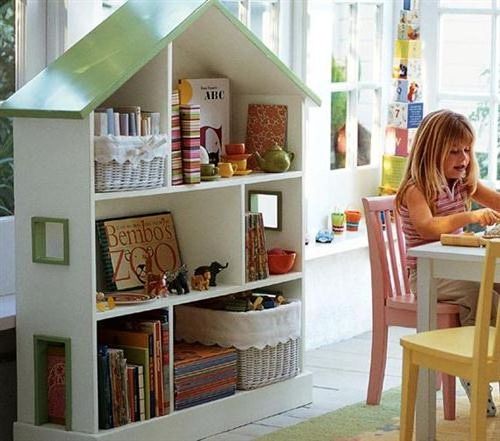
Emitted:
<point x="387" y="249"/>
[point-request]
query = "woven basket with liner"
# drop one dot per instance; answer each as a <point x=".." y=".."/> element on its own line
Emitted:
<point x="267" y="342"/>
<point x="129" y="162"/>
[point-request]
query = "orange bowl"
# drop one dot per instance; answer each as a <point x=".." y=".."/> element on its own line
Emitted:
<point x="281" y="263"/>
<point x="235" y="149"/>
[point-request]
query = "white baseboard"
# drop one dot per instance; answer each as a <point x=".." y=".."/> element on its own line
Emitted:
<point x="7" y="256"/>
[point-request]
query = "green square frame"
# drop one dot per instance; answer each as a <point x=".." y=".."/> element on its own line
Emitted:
<point x="40" y="347"/>
<point x="38" y="239"/>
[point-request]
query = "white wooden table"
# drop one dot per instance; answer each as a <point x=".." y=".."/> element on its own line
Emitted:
<point x="438" y="261"/>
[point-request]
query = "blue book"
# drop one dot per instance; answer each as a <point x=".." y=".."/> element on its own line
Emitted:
<point x="132" y="125"/>
<point x="111" y="121"/>
<point x="124" y="129"/>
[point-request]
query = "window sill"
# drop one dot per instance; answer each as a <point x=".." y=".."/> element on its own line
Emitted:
<point x="342" y="243"/>
<point x="7" y="312"/>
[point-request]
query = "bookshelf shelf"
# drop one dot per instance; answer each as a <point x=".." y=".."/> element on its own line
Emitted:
<point x="195" y="296"/>
<point x="164" y="42"/>
<point x="254" y="178"/>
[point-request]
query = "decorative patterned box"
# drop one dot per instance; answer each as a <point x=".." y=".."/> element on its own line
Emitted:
<point x="267" y="342"/>
<point x="129" y="162"/>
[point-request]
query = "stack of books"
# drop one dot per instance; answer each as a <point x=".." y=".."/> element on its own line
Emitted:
<point x="203" y="374"/>
<point x="256" y="266"/>
<point x="406" y="108"/>
<point x="176" y="140"/>
<point x="190" y="131"/>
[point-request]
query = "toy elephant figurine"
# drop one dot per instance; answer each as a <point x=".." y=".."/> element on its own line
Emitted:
<point x="214" y="268"/>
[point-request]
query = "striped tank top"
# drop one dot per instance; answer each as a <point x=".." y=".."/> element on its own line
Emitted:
<point x="449" y="201"/>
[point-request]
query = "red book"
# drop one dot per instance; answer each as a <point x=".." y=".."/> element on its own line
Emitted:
<point x="56" y="385"/>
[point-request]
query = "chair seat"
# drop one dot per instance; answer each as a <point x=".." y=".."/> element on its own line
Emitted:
<point x="409" y="303"/>
<point x="454" y="344"/>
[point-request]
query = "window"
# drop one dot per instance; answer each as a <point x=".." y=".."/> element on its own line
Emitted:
<point x="355" y="82"/>
<point x="7" y="87"/>
<point x="261" y="16"/>
<point x="467" y="60"/>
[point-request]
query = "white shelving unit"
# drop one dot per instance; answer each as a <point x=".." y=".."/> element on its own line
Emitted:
<point x="55" y="178"/>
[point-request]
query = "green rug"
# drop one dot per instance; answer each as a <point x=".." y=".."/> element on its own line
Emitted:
<point x="360" y="422"/>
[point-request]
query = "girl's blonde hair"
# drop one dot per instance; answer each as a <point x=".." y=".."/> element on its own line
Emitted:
<point x="438" y="132"/>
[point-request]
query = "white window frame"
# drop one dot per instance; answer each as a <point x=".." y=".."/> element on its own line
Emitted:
<point x="353" y="86"/>
<point x="430" y="33"/>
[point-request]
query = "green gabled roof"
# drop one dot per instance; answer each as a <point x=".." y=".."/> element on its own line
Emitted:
<point x="102" y="61"/>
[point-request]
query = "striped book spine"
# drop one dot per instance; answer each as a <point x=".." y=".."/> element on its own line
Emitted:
<point x="190" y="142"/>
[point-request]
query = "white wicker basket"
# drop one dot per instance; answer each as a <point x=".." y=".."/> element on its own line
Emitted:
<point x="260" y="367"/>
<point x="129" y="162"/>
<point x="267" y="342"/>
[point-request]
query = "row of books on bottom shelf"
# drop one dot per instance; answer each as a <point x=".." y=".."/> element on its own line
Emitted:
<point x="133" y="375"/>
<point x="133" y="371"/>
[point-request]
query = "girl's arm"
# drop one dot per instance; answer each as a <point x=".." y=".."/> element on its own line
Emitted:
<point x="431" y="227"/>
<point x="486" y="196"/>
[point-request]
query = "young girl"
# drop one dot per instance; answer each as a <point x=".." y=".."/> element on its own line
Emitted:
<point x="434" y="197"/>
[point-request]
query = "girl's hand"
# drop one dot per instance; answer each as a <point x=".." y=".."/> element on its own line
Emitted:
<point x="485" y="216"/>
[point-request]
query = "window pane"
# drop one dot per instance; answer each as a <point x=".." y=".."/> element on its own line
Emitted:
<point x="233" y="6"/>
<point x="263" y="22"/>
<point x="366" y="125"/>
<point x="341" y="33"/>
<point x="471" y="4"/>
<point x="338" y="134"/>
<point x="7" y="86"/>
<point x="465" y="53"/>
<point x="478" y="114"/>
<point x="368" y="56"/>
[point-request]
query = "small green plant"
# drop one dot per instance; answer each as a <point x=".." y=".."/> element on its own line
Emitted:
<point x="7" y="86"/>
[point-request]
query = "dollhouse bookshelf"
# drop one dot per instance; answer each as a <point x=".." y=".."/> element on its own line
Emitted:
<point x="139" y="54"/>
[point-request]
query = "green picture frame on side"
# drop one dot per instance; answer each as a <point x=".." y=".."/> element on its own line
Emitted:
<point x="39" y="240"/>
<point x="42" y="344"/>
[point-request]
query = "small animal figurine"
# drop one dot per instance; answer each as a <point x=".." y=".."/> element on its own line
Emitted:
<point x="156" y="284"/>
<point x="177" y="281"/>
<point x="214" y="268"/>
<point x="200" y="282"/>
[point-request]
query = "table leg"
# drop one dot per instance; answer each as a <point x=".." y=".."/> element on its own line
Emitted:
<point x="425" y="425"/>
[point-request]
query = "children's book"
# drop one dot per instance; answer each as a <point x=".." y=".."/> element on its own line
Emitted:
<point x="56" y="385"/>
<point x="266" y="126"/>
<point x="212" y="95"/>
<point x="126" y="243"/>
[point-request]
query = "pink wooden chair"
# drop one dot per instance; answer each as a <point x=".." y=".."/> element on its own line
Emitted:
<point x="392" y="302"/>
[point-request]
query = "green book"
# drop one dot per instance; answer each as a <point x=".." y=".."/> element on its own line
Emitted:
<point x="140" y="356"/>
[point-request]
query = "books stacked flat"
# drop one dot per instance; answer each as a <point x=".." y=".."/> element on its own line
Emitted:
<point x="190" y="142"/>
<point x="176" y="140"/>
<point x="203" y="374"/>
<point x="256" y="265"/>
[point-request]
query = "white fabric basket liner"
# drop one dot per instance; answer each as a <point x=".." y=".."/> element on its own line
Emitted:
<point x="243" y="330"/>
<point x="129" y="148"/>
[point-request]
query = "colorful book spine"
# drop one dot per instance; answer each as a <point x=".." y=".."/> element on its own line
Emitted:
<point x="190" y="142"/>
<point x="177" y="178"/>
